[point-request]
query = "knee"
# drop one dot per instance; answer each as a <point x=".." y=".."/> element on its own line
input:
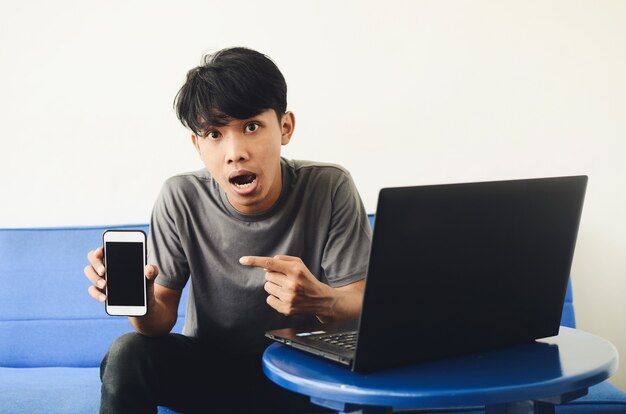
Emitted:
<point x="126" y="345"/>
<point x="125" y="372"/>
<point x="126" y="355"/>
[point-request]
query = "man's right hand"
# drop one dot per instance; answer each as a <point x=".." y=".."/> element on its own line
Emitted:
<point x="162" y="301"/>
<point x="95" y="273"/>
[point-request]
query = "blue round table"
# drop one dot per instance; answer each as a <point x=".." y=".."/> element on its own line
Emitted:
<point x="538" y="375"/>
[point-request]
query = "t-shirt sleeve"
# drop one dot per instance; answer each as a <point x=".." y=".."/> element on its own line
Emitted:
<point x="347" y="249"/>
<point x="165" y="249"/>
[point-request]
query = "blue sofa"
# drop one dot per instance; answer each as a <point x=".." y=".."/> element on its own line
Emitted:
<point x="53" y="335"/>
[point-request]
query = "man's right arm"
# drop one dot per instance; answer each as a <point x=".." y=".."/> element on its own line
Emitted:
<point x="162" y="301"/>
<point x="162" y="309"/>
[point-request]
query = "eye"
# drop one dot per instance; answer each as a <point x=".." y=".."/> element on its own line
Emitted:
<point x="251" y="127"/>
<point x="211" y="134"/>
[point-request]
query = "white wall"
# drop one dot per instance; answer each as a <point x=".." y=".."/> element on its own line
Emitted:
<point x="399" y="92"/>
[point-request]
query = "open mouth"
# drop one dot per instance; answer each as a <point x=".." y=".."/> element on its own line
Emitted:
<point x="243" y="181"/>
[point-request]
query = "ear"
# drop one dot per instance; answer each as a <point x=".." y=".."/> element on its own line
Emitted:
<point x="196" y="142"/>
<point x="287" y="125"/>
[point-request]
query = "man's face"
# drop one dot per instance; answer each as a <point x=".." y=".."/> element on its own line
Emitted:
<point x="244" y="157"/>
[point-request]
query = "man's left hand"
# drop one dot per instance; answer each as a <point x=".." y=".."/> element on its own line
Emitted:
<point x="292" y="288"/>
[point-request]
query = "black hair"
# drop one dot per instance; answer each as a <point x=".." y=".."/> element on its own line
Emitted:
<point x="233" y="83"/>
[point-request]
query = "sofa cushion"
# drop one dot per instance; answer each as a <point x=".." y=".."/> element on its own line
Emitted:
<point x="49" y="390"/>
<point x="602" y="398"/>
<point x="60" y="342"/>
<point x="52" y="390"/>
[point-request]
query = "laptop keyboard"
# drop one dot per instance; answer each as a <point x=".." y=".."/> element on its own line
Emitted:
<point x="344" y="339"/>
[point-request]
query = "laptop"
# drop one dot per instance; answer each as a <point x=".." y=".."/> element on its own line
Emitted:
<point x="456" y="269"/>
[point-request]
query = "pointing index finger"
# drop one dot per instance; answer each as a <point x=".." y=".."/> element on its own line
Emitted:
<point x="269" y="263"/>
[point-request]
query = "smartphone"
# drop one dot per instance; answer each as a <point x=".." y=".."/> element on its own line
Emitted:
<point x="124" y="260"/>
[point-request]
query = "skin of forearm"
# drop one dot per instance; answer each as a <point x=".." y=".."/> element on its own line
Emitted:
<point x="344" y="305"/>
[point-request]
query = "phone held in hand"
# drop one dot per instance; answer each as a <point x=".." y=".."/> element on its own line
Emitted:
<point x="124" y="260"/>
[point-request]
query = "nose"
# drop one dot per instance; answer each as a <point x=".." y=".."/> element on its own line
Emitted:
<point x="237" y="150"/>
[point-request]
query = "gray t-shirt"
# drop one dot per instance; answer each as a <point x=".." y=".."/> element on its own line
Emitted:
<point x="196" y="233"/>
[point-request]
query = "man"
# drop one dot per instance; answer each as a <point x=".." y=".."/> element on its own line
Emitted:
<point x="265" y="243"/>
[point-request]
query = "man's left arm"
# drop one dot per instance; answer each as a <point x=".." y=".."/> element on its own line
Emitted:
<point x="292" y="290"/>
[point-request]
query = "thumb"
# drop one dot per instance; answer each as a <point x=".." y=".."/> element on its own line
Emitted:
<point x="151" y="272"/>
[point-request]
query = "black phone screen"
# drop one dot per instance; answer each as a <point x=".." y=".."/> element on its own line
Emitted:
<point x="125" y="275"/>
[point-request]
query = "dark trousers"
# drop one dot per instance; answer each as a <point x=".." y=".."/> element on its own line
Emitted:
<point x="139" y="373"/>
